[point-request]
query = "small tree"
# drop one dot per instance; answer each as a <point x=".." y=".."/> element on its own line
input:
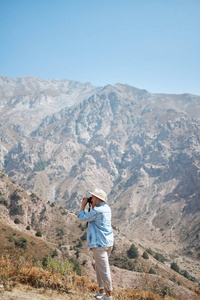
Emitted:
<point x="159" y="257"/>
<point x="76" y="265"/>
<point x="186" y="275"/>
<point x="80" y="243"/>
<point x="133" y="252"/>
<point x="175" y="267"/>
<point x="55" y="253"/>
<point x="149" y="251"/>
<point x="38" y="233"/>
<point x="84" y="237"/>
<point x="17" y="221"/>
<point x="21" y="242"/>
<point x="151" y="271"/>
<point x="28" y="227"/>
<point x="145" y="255"/>
<point x="45" y="261"/>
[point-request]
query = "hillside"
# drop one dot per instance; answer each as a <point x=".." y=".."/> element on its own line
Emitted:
<point x="60" y="139"/>
<point x="61" y="232"/>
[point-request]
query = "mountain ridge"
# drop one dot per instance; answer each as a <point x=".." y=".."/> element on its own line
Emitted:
<point x="142" y="148"/>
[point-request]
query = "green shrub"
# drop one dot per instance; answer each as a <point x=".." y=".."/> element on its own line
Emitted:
<point x="17" y="221"/>
<point x="3" y="201"/>
<point x="28" y="227"/>
<point x="123" y="262"/>
<point x="21" y="242"/>
<point x="133" y="252"/>
<point x="186" y="275"/>
<point x="84" y="262"/>
<point x="33" y="195"/>
<point x="76" y="265"/>
<point x="56" y="266"/>
<point x="145" y="255"/>
<point x="60" y="232"/>
<point x="166" y="292"/>
<point x="11" y="239"/>
<point x="40" y="165"/>
<point x="84" y="237"/>
<point x="175" y="267"/>
<point x="45" y="261"/>
<point x="151" y="271"/>
<point x="55" y="253"/>
<point x="15" y="196"/>
<point x="159" y="257"/>
<point x="149" y="251"/>
<point x="80" y="243"/>
<point x="38" y="233"/>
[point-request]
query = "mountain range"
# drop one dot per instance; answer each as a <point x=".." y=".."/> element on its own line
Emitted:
<point x="60" y="139"/>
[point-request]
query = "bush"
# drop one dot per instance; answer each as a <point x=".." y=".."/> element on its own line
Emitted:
<point x="11" y="239"/>
<point x="145" y="255"/>
<point x="76" y="265"/>
<point x="15" y="196"/>
<point x="60" y="232"/>
<point x="80" y="243"/>
<point x="186" y="275"/>
<point x="159" y="257"/>
<point x="133" y="252"/>
<point x="21" y="242"/>
<point x="57" y="266"/>
<point x="84" y="237"/>
<point x="33" y="195"/>
<point x="149" y="251"/>
<point x="151" y="271"/>
<point x="17" y="221"/>
<point x="175" y="267"/>
<point x="28" y="228"/>
<point x="55" y="253"/>
<point x="3" y="201"/>
<point x="38" y="233"/>
<point x="45" y="261"/>
<point x="40" y="165"/>
<point x="166" y="292"/>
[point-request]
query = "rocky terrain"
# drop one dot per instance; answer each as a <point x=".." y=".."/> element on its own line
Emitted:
<point x="61" y="232"/>
<point x="60" y="139"/>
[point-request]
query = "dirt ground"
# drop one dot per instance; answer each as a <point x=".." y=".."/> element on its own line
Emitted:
<point x="28" y="293"/>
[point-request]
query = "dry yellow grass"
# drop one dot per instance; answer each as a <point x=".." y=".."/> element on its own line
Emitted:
<point x="14" y="270"/>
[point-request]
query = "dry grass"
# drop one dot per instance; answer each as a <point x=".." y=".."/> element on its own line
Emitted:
<point x="14" y="269"/>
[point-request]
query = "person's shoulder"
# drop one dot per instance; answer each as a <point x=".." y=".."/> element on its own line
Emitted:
<point x="102" y="207"/>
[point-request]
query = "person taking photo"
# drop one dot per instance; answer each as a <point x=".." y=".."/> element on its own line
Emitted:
<point x="99" y="239"/>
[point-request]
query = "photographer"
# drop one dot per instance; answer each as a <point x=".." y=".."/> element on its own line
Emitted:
<point x="99" y="238"/>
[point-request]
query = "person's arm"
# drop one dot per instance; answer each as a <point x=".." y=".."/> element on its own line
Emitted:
<point x="86" y="217"/>
<point x="84" y="203"/>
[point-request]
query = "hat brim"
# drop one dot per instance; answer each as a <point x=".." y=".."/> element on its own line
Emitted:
<point x="99" y="197"/>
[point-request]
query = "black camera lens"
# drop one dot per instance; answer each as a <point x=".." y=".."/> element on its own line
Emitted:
<point x="89" y="200"/>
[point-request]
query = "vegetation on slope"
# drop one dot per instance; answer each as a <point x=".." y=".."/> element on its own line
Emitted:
<point x="56" y="275"/>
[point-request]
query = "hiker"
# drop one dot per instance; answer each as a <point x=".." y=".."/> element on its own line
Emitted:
<point x="99" y="239"/>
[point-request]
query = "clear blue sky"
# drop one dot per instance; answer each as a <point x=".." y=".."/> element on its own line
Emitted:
<point x="149" y="44"/>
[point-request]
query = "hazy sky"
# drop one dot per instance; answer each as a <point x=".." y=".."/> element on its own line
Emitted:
<point x="149" y="44"/>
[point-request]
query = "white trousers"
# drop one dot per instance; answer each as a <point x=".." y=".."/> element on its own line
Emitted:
<point x="102" y="267"/>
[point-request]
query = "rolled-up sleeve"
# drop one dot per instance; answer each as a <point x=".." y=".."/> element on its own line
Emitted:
<point x="87" y="217"/>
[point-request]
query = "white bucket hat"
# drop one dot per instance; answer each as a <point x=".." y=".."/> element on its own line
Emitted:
<point x="100" y="194"/>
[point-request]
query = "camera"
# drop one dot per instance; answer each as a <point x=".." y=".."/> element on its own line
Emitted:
<point x="89" y="200"/>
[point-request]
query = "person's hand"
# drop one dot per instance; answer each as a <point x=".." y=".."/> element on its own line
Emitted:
<point x="84" y="203"/>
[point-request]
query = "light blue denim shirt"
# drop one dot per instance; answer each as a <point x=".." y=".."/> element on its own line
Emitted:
<point x="99" y="231"/>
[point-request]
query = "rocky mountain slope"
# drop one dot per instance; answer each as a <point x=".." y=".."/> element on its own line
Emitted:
<point x="61" y="139"/>
<point x="61" y="232"/>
